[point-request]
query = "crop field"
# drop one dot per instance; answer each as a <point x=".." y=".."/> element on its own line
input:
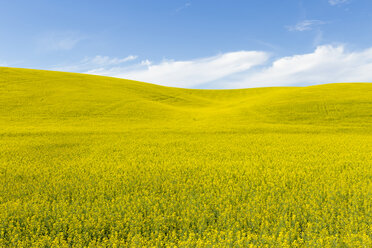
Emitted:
<point x="89" y="161"/>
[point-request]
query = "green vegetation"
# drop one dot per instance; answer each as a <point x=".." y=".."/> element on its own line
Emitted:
<point x="88" y="161"/>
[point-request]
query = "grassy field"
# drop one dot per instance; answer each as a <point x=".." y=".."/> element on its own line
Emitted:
<point x="88" y="161"/>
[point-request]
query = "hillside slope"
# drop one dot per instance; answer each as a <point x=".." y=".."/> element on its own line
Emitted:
<point x="88" y="161"/>
<point x="40" y="98"/>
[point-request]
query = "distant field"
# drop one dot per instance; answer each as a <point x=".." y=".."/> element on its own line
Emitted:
<point x="89" y="161"/>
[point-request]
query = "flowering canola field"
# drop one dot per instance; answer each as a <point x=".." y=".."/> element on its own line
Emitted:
<point x="89" y="161"/>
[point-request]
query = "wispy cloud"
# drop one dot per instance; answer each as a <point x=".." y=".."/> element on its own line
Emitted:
<point x="337" y="2"/>
<point x="242" y="69"/>
<point x="327" y="64"/>
<point x="318" y="38"/>
<point x="106" y="60"/>
<point x="185" y="6"/>
<point x="97" y="62"/>
<point x="59" y="41"/>
<point x="305" y="25"/>
<point x="189" y="73"/>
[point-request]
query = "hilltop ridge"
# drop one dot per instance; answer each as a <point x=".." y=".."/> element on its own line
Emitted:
<point x="38" y="98"/>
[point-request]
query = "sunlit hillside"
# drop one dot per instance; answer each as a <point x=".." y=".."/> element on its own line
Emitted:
<point x="39" y="99"/>
<point x="105" y="162"/>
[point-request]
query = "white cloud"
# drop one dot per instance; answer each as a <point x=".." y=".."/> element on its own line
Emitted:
<point x="146" y="62"/>
<point x="59" y="41"/>
<point x="305" y="25"/>
<point x="337" y="2"/>
<point x="188" y="73"/>
<point x="95" y="62"/>
<point x="243" y="69"/>
<point x="106" y="60"/>
<point x="327" y="64"/>
<point x="3" y="63"/>
<point x="185" y="6"/>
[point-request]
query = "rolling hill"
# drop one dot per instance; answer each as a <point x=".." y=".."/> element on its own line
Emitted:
<point x="90" y="161"/>
<point x="33" y="97"/>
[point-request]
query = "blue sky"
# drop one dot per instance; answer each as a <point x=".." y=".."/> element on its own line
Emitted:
<point x="193" y="44"/>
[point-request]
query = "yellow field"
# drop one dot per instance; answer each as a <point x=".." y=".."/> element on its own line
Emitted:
<point x="88" y="161"/>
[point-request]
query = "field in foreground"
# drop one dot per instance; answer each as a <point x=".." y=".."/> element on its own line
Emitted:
<point x="88" y="161"/>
